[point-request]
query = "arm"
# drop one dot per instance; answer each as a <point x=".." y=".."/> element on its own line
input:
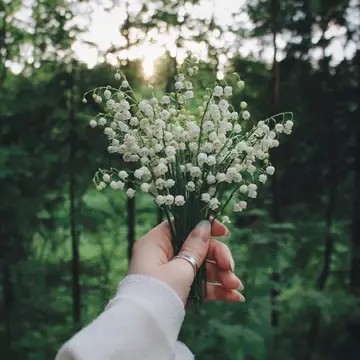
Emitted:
<point x="141" y="322"/>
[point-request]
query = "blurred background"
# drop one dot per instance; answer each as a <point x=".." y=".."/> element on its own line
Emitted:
<point x="64" y="246"/>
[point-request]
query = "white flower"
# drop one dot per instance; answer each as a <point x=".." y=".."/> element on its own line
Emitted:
<point x="166" y="100"/>
<point x="205" y="197"/>
<point x="270" y="170"/>
<point x="123" y="175"/>
<point x="288" y="127"/>
<point x="279" y="128"/>
<point x="242" y="146"/>
<point x="225" y="219"/>
<point x="275" y="142"/>
<point x="165" y="140"/>
<point x="223" y="104"/>
<point x="188" y="85"/>
<point x="220" y="177"/>
<point x="252" y="187"/>
<point x="170" y="151"/>
<point x="169" y="200"/>
<point x="145" y="187"/>
<point x="160" y="200"/>
<point x="134" y="121"/>
<point x="289" y="124"/>
<point x="154" y="101"/>
<point x="102" y="121"/>
<point x="189" y="94"/>
<point x="212" y="190"/>
<point x="218" y="91"/>
<point x="120" y="185"/>
<point x="240" y="206"/>
<point x="202" y="157"/>
<point x="228" y="90"/>
<point x="179" y="85"/>
<point x="191" y="186"/>
<point x="107" y="94"/>
<point x="138" y="173"/>
<point x="179" y="200"/>
<point x="240" y="84"/>
<point x="246" y="115"/>
<point x="243" y="189"/>
<point x="160" y="183"/>
<point x="161" y="169"/>
<point x="130" y="193"/>
<point x="263" y="178"/>
<point x="211" y="160"/>
<point x="252" y="194"/>
<point x="211" y="179"/>
<point x="214" y="203"/>
<point x="180" y="77"/>
<point x="106" y="177"/>
<point x="170" y="183"/>
<point x="195" y="171"/>
<point x="237" y="128"/>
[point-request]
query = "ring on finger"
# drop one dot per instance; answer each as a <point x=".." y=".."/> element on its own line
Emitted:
<point x="190" y="259"/>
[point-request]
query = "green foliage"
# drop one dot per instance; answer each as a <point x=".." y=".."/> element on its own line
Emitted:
<point x="286" y="265"/>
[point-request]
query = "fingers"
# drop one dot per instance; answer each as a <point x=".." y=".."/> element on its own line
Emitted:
<point x="218" y="229"/>
<point x="197" y="244"/>
<point x="221" y="254"/>
<point x="224" y="277"/>
<point x="152" y="249"/>
<point x="217" y="292"/>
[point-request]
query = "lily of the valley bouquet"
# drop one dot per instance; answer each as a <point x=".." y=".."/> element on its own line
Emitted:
<point x="194" y="161"/>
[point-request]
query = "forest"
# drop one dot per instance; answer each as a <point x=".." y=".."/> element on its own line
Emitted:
<point x="64" y="246"/>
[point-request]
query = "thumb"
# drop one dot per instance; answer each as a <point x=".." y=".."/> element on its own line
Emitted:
<point x="198" y="242"/>
<point x="180" y="274"/>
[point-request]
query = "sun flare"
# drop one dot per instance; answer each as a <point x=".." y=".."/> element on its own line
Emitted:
<point x="148" y="65"/>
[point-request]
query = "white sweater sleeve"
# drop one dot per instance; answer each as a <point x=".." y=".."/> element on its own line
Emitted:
<point x="142" y="322"/>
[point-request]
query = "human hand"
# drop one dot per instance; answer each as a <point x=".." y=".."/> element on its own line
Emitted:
<point x="153" y="256"/>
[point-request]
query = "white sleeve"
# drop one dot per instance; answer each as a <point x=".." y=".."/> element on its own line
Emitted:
<point x="142" y="322"/>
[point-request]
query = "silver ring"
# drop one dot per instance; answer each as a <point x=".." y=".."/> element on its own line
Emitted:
<point x="190" y="259"/>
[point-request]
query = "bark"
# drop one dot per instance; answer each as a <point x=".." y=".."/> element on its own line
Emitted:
<point x="276" y="208"/>
<point x="131" y="224"/>
<point x="3" y="46"/>
<point x="8" y="299"/>
<point x="354" y="325"/>
<point x="76" y="291"/>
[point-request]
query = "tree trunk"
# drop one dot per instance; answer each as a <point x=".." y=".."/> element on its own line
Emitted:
<point x="3" y="46"/>
<point x="276" y="208"/>
<point x="333" y="181"/>
<point x="131" y="224"/>
<point x="76" y="291"/>
<point x="8" y="299"/>
<point x="354" y="326"/>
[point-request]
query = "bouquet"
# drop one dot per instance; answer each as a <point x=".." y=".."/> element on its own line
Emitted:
<point x="194" y="161"/>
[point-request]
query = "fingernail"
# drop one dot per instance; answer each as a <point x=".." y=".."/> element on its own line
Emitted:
<point x="232" y="263"/>
<point x="242" y="298"/>
<point x="241" y="286"/>
<point x="203" y="230"/>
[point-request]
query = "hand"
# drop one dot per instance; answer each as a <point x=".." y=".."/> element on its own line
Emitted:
<point x="153" y="256"/>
